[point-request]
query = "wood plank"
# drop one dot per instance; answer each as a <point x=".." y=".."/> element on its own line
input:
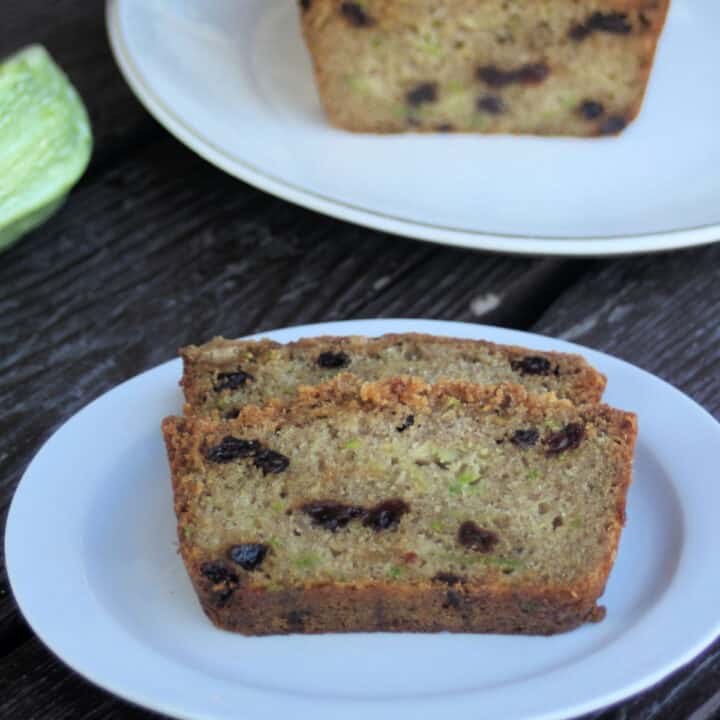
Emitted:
<point x="659" y="312"/>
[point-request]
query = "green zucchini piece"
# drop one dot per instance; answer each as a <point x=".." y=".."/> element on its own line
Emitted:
<point x="45" y="141"/>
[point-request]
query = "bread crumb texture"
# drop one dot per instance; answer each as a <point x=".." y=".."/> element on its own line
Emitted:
<point x="547" y="67"/>
<point x="402" y="505"/>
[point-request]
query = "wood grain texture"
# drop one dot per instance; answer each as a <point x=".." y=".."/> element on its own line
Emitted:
<point x="659" y="312"/>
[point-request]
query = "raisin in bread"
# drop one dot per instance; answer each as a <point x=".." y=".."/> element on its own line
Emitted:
<point x="223" y="375"/>
<point x="398" y="505"/>
<point x="548" y="67"/>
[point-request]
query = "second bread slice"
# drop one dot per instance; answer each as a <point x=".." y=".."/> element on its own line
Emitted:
<point x="224" y="375"/>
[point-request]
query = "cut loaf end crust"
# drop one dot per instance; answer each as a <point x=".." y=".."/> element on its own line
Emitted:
<point x="400" y="505"/>
<point x="542" y="67"/>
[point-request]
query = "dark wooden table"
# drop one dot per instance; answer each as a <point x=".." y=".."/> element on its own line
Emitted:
<point x="156" y="249"/>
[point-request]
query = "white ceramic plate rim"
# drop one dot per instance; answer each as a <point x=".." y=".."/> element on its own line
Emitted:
<point x="97" y="659"/>
<point x="514" y="244"/>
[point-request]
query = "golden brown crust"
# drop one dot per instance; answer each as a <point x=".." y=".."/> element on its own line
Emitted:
<point x="481" y="605"/>
<point x="400" y="608"/>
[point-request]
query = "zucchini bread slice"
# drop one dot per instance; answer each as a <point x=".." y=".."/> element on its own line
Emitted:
<point x="544" y="67"/>
<point x="402" y="506"/>
<point x="223" y="375"/>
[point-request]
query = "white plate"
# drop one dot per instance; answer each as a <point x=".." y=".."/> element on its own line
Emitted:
<point x="232" y="80"/>
<point x="92" y="560"/>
